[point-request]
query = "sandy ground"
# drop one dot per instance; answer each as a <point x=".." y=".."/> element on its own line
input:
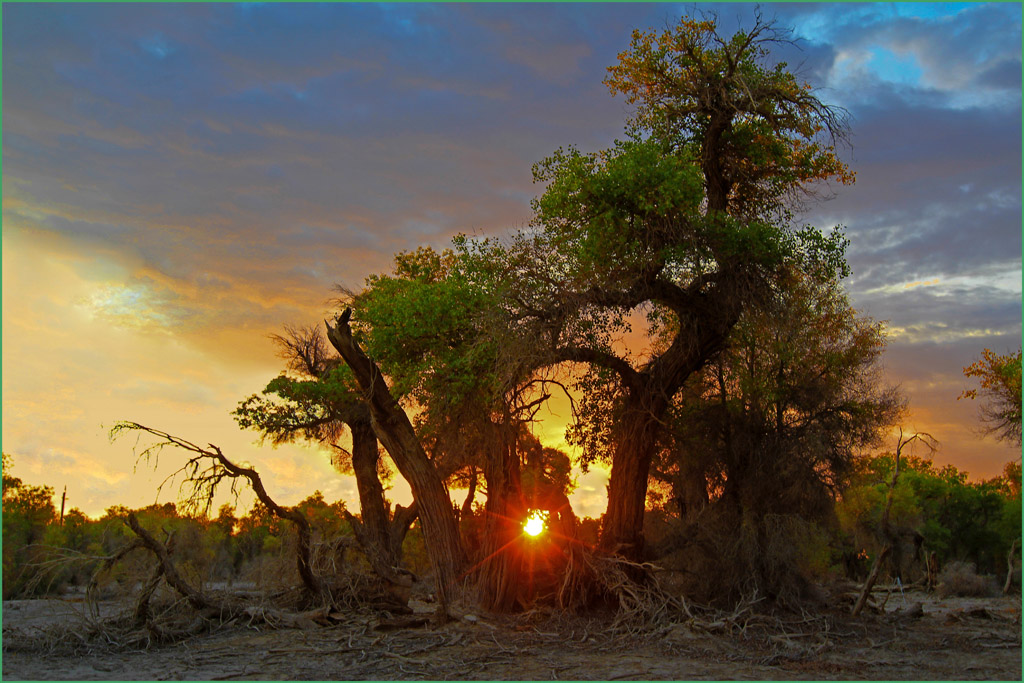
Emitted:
<point x="951" y="639"/>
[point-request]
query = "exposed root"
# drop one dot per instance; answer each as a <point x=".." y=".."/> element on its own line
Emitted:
<point x="646" y="609"/>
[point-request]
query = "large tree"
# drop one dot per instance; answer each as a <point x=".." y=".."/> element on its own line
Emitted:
<point x="393" y="427"/>
<point x="786" y="407"/>
<point x="685" y="221"/>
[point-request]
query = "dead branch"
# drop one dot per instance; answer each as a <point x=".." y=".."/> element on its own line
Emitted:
<point x="169" y="571"/>
<point x="208" y="468"/>
<point x="884" y="527"/>
<point x="142" y="614"/>
<point x="1010" y="565"/>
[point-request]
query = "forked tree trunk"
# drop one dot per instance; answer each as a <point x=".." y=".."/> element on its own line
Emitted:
<point x="395" y="431"/>
<point x="707" y="318"/>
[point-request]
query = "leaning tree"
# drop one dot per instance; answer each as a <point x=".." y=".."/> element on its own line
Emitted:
<point x="318" y="400"/>
<point x="437" y="327"/>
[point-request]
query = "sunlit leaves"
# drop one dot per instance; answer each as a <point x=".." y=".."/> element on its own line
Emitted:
<point x="759" y="131"/>
<point x="958" y="519"/>
<point x="1001" y="391"/>
<point x="312" y="408"/>
<point x="425" y="325"/>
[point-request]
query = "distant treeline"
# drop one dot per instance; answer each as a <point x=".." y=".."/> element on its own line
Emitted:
<point x="935" y="510"/>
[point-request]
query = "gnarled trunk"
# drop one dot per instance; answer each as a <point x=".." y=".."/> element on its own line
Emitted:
<point x="395" y="431"/>
<point x="501" y="569"/>
<point x="636" y="440"/>
<point x="705" y="323"/>
<point x="375" y="531"/>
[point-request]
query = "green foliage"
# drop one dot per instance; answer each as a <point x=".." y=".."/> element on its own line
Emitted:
<point x="27" y="513"/>
<point x="326" y="519"/>
<point x="960" y="520"/>
<point x="424" y="324"/>
<point x="685" y="221"/>
<point x="770" y="134"/>
<point x="316" y="406"/>
<point x="607" y="207"/>
<point x="289" y="408"/>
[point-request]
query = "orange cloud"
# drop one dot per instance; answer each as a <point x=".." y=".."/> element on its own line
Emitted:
<point x="921" y="283"/>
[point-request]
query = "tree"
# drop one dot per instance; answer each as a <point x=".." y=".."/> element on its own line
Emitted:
<point x="1000" y="392"/>
<point x="394" y="429"/>
<point x="436" y="324"/>
<point x="887" y="535"/>
<point x="204" y="471"/>
<point x="954" y="518"/>
<point x="769" y="432"/>
<point x="683" y="221"/>
<point x="318" y="405"/>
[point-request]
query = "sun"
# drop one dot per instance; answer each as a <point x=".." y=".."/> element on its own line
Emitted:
<point x="534" y="525"/>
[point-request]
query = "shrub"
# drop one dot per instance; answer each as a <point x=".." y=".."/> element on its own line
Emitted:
<point x="962" y="580"/>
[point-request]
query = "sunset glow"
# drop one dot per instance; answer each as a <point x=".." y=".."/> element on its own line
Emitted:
<point x="180" y="182"/>
<point x="534" y="526"/>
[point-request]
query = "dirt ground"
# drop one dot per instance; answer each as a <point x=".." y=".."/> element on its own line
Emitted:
<point x="953" y="638"/>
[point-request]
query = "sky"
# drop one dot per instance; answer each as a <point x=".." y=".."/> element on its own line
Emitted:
<point x="181" y="181"/>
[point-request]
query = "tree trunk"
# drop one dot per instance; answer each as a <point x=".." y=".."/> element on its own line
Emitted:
<point x="636" y="439"/>
<point x="691" y="491"/>
<point x="373" y="530"/>
<point x="872" y="577"/>
<point x="467" y="505"/>
<point x="884" y="530"/>
<point x="501" y="579"/>
<point x="932" y="569"/>
<point x="395" y="431"/>
<point x="705" y="322"/>
<point x="1010" y="567"/>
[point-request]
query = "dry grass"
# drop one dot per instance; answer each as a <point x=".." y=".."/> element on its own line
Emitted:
<point x="962" y="580"/>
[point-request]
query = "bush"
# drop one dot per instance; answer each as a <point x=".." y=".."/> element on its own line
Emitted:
<point x="727" y="558"/>
<point x="962" y="580"/>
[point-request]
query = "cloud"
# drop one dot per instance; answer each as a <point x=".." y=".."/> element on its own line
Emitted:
<point x="955" y="54"/>
<point x="911" y="285"/>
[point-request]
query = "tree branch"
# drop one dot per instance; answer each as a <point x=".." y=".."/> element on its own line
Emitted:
<point x="204" y="484"/>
